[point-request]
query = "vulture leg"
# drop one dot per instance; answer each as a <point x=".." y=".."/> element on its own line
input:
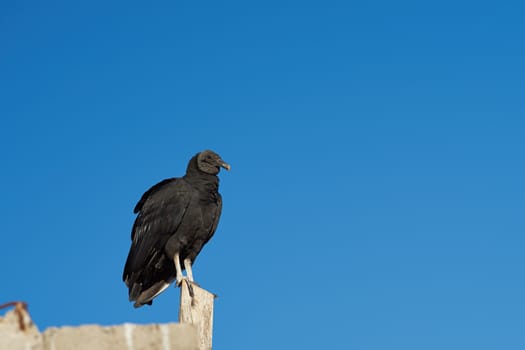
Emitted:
<point x="179" y="277"/>
<point x="187" y="266"/>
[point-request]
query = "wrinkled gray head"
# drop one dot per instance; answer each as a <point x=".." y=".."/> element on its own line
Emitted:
<point x="210" y="162"/>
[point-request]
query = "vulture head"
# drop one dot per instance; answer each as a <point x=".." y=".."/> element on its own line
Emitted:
<point x="210" y="162"/>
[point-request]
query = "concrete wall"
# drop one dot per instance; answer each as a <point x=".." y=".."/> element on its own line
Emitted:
<point x="18" y="332"/>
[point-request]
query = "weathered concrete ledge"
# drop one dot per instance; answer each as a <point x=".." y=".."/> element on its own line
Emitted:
<point x="18" y="332"/>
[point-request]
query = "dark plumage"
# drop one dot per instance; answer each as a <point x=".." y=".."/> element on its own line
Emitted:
<point x="176" y="217"/>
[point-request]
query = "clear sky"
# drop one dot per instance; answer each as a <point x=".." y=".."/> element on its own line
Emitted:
<point x="376" y="198"/>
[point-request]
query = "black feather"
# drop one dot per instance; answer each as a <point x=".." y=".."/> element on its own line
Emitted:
<point x="149" y="192"/>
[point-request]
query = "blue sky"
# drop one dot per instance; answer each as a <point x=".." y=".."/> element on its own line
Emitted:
<point x="376" y="195"/>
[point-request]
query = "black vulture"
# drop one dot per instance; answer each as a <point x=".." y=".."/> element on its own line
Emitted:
<point x="176" y="218"/>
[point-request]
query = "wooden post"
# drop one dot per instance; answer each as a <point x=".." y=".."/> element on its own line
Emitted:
<point x="196" y="307"/>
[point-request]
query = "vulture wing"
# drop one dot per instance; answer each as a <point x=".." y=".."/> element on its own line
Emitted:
<point x="160" y="212"/>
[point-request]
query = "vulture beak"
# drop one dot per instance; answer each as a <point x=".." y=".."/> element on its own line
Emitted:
<point x="225" y="165"/>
